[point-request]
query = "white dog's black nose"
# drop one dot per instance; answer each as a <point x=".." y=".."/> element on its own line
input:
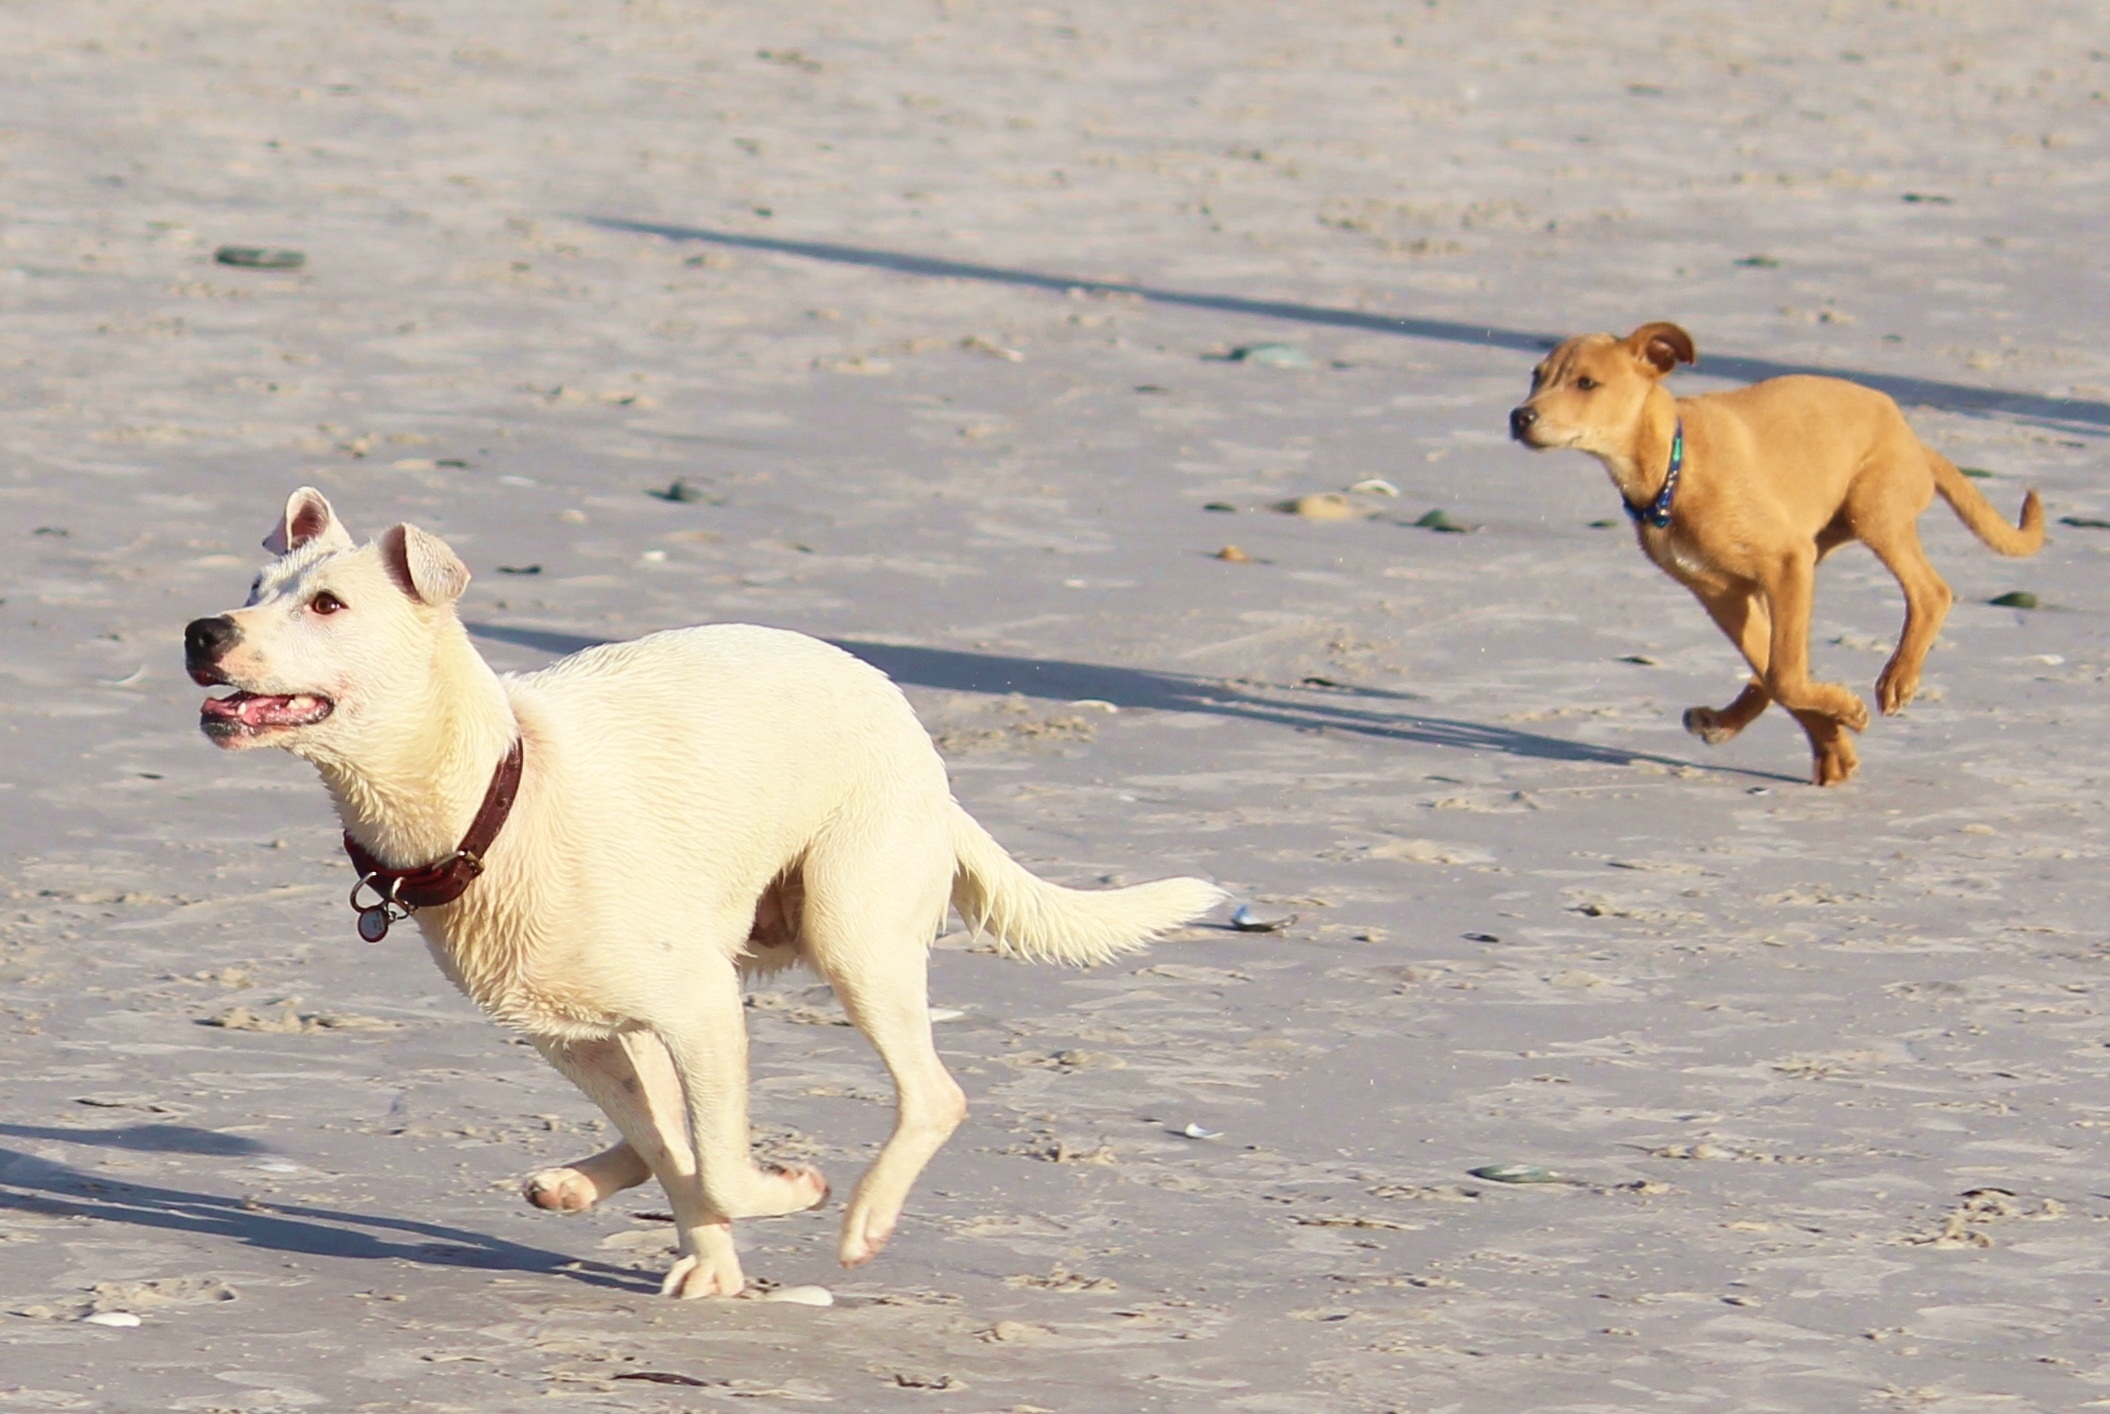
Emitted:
<point x="205" y="642"/>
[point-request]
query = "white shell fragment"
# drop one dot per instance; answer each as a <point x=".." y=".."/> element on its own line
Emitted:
<point x="1518" y="1173"/>
<point x="1375" y="486"/>
<point x="111" y="1318"/>
<point x="1247" y="921"/>
<point x="946" y="1013"/>
<point x="802" y="1295"/>
<point x="1195" y="1131"/>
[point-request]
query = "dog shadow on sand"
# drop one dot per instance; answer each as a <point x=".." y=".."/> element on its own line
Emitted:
<point x="30" y="1184"/>
<point x="1312" y="706"/>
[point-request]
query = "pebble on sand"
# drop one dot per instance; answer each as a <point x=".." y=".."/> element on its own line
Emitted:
<point x="254" y="257"/>
<point x="1442" y="523"/>
<point x="1247" y="921"/>
<point x="678" y="491"/>
<point x="111" y="1318"/>
<point x="1273" y="356"/>
<point x="1323" y="505"/>
<point x="1234" y="555"/>
<point x="2014" y="599"/>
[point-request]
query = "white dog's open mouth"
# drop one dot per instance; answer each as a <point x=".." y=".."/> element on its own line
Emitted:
<point x="249" y="713"/>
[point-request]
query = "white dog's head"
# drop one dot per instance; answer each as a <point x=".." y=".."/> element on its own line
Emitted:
<point x="335" y="636"/>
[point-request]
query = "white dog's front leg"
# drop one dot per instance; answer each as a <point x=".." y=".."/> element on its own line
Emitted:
<point x="706" y="1035"/>
<point x="632" y="1078"/>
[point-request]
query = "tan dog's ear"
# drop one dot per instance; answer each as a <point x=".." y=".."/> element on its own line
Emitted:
<point x="1662" y="346"/>
<point x="308" y="520"/>
<point x="423" y="566"/>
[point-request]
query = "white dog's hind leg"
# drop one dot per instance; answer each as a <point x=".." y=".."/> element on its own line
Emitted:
<point x="890" y="1007"/>
<point x="868" y="930"/>
<point x="632" y="1079"/>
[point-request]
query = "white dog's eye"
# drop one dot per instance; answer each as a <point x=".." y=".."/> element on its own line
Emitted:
<point x="326" y="603"/>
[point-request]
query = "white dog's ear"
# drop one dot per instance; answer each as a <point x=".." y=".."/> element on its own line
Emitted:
<point x="308" y="520"/>
<point x="423" y="566"/>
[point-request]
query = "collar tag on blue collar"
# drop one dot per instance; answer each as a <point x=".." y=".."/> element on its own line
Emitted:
<point x="1658" y="512"/>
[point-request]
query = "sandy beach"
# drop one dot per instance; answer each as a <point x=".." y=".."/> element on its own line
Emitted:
<point x="925" y="322"/>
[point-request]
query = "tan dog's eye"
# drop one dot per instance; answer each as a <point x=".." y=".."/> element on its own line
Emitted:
<point x="1586" y="383"/>
<point x="326" y="603"/>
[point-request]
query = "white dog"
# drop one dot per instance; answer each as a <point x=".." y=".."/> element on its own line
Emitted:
<point x="598" y="851"/>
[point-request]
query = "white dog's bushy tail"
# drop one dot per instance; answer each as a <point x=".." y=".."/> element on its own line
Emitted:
<point x="1037" y="921"/>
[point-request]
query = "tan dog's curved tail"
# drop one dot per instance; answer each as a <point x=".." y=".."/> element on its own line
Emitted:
<point x="1036" y="921"/>
<point x="1977" y="513"/>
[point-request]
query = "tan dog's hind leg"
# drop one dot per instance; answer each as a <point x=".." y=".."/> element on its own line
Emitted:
<point x="1927" y="600"/>
<point x="631" y="1077"/>
<point x="1823" y="708"/>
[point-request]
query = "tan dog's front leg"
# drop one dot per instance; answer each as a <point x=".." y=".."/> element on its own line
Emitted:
<point x="1789" y="594"/>
<point x="1738" y="613"/>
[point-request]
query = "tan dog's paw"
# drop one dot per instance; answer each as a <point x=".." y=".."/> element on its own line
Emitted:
<point x="1707" y="724"/>
<point x="693" y="1277"/>
<point x="1895" y="689"/>
<point x="563" y="1190"/>
<point x="1836" y="763"/>
<point x="1852" y="714"/>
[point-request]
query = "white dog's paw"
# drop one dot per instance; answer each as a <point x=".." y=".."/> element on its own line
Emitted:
<point x="693" y="1277"/>
<point x="865" y="1234"/>
<point x="785" y="1188"/>
<point x="564" y="1190"/>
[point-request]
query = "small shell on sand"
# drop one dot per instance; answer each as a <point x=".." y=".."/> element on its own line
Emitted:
<point x="1323" y="505"/>
<point x="1233" y="555"/>
<point x="111" y="1318"/>
<point x="1518" y="1173"/>
<point x="1374" y="486"/>
<point x="802" y="1295"/>
<point x="1247" y="921"/>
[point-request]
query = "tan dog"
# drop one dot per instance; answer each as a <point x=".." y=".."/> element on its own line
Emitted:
<point x="684" y="809"/>
<point x="1763" y="483"/>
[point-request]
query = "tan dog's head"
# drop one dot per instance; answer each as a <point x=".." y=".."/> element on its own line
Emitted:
<point x="334" y="638"/>
<point x="1589" y="393"/>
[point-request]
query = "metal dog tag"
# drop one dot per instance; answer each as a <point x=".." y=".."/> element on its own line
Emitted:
<point x="373" y="923"/>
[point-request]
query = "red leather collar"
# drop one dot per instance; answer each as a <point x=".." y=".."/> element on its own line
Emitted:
<point x="402" y="891"/>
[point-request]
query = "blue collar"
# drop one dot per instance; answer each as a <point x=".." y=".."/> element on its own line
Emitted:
<point x="1658" y="512"/>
